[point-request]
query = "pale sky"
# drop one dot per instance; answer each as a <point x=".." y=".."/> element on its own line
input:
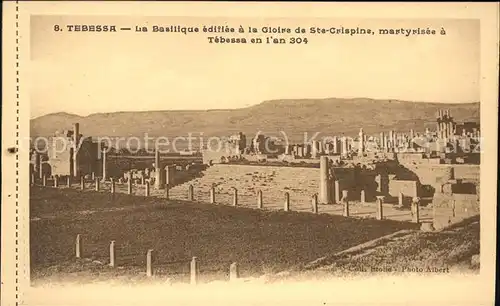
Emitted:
<point x="84" y="73"/>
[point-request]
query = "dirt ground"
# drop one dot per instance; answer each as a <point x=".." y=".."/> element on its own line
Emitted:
<point x="261" y="242"/>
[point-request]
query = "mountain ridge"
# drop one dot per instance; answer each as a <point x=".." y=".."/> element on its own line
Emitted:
<point x="329" y="115"/>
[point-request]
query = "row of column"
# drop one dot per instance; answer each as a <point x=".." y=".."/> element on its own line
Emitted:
<point x="190" y="196"/>
<point x="395" y="140"/>
<point x="193" y="263"/>
<point x="338" y="145"/>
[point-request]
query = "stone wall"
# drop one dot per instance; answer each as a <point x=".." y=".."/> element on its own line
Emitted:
<point x="220" y="156"/>
<point x="461" y="202"/>
<point x="60" y="159"/>
<point x="467" y="172"/>
<point x="428" y="171"/>
<point x="431" y="174"/>
<point x="408" y="188"/>
<point x="61" y="163"/>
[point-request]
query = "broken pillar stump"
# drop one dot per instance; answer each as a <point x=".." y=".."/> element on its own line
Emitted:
<point x="314" y="203"/>
<point x="149" y="263"/>
<point x="129" y="183"/>
<point x="113" y="186"/>
<point x="112" y="254"/>
<point x="337" y="192"/>
<point x="415" y="210"/>
<point x="287" y="202"/>
<point x="194" y="271"/>
<point x="190" y="193"/>
<point x="235" y="196"/>
<point x="345" y="202"/>
<point x="259" y="199"/>
<point x="233" y="272"/>
<point x="212" y="195"/>
<point x="380" y="207"/>
<point x="78" y="246"/>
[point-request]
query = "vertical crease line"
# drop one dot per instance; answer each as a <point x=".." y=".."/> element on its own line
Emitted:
<point x="17" y="152"/>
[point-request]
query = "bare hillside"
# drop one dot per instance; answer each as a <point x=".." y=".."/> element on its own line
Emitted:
<point x="329" y="116"/>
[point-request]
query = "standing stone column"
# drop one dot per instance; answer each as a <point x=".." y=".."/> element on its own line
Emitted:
<point x="287" y="150"/>
<point x="380" y="202"/>
<point x="82" y="182"/>
<point x="259" y="199"/>
<point x="235" y="196"/>
<point x="305" y="150"/>
<point x="112" y="257"/>
<point x="314" y="203"/>
<point x="146" y="189"/>
<point x="391" y="139"/>
<point x="78" y="247"/>
<point x="324" y="184"/>
<point x="40" y="170"/>
<point x="400" y="199"/>
<point x="415" y="210"/>
<point x="300" y="150"/>
<point x="345" y="202"/>
<point x="32" y="178"/>
<point x="337" y="192"/>
<point x="149" y="263"/>
<point x="233" y="272"/>
<point x="190" y="193"/>
<point x="315" y="149"/>
<point x="129" y="183"/>
<point x="68" y="181"/>
<point x="335" y="145"/>
<point x="361" y="148"/>
<point x="97" y="184"/>
<point x="159" y="181"/>
<point x="169" y="175"/>
<point x="327" y="148"/>
<point x="363" y="197"/>
<point x="212" y="195"/>
<point x="104" y="157"/>
<point x="113" y="187"/>
<point x="287" y="201"/>
<point x="76" y="140"/>
<point x="345" y="149"/>
<point x="194" y="271"/>
<point x="378" y="180"/>
<point x="381" y="141"/>
<point x="44" y="180"/>
<point x="36" y="166"/>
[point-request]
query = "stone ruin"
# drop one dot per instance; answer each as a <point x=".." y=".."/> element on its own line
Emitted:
<point x="61" y="157"/>
<point x="416" y="164"/>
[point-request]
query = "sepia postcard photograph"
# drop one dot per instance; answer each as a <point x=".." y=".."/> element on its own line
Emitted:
<point x="211" y="153"/>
